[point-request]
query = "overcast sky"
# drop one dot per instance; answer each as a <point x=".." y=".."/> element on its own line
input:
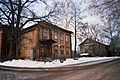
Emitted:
<point x="91" y="19"/>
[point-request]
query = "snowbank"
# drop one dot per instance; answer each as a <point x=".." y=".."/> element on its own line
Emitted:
<point x="55" y="63"/>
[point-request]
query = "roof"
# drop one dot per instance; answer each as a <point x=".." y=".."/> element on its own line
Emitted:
<point x="29" y="28"/>
<point x="55" y="26"/>
<point x="92" y="40"/>
<point x="48" y="23"/>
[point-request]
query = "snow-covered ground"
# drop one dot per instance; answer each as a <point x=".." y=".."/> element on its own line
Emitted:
<point x="55" y="63"/>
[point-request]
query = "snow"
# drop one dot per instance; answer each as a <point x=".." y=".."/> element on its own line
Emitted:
<point x="84" y="54"/>
<point x="55" y="63"/>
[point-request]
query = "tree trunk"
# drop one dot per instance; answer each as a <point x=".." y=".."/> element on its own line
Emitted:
<point x="16" y="45"/>
<point x="17" y="51"/>
<point x="12" y="48"/>
<point x="75" y="52"/>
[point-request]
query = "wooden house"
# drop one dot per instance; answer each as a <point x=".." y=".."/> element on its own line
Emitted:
<point x="45" y="41"/>
<point x="90" y="47"/>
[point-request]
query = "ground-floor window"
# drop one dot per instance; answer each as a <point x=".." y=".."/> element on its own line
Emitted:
<point x="67" y="50"/>
<point x="62" y="49"/>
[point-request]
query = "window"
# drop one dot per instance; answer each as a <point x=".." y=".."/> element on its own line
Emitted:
<point x="61" y="36"/>
<point x="67" y="38"/>
<point x="56" y="46"/>
<point x="62" y="49"/>
<point x="32" y="51"/>
<point x="67" y="50"/>
<point x="56" y="35"/>
<point x="56" y="49"/>
<point x="45" y="33"/>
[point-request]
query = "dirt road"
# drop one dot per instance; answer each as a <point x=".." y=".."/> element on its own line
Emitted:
<point x="102" y="71"/>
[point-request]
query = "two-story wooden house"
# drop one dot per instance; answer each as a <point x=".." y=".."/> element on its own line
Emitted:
<point x="45" y="41"/>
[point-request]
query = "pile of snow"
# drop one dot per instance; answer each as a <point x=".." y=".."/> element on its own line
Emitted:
<point x="55" y="63"/>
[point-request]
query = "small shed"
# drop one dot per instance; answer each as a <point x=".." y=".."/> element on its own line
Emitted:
<point x="90" y="47"/>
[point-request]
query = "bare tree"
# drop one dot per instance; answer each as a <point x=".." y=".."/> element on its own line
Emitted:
<point x="76" y="23"/>
<point x="95" y="31"/>
<point x="16" y="14"/>
<point x="109" y="10"/>
<point x="63" y="16"/>
<point x="69" y="16"/>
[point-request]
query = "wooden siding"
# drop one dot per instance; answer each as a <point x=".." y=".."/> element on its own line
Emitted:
<point x="35" y="34"/>
<point x="59" y="43"/>
<point x="94" y="48"/>
<point x="29" y="41"/>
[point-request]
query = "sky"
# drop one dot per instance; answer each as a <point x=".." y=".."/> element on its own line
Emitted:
<point x="91" y="19"/>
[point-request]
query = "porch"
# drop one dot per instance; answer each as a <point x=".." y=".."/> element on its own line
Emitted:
<point x="45" y="49"/>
